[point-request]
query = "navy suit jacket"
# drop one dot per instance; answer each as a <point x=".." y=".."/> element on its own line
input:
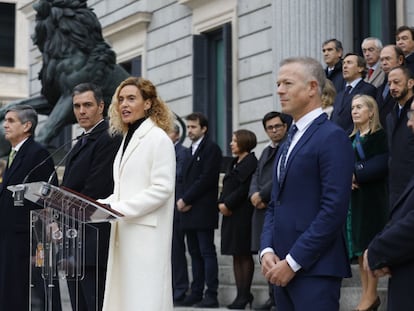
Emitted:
<point x="336" y="76"/>
<point x="409" y="62"/>
<point x="341" y="113"/>
<point x="14" y="225"/>
<point x="88" y="170"/>
<point x="200" y="186"/>
<point x="385" y="105"/>
<point x="393" y="247"/>
<point x="401" y="151"/>
<point x="307" y="211"/>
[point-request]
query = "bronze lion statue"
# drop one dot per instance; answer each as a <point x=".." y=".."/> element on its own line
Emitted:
<point x="69" y="36"/>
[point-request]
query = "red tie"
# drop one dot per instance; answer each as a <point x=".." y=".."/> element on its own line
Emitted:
<point x="370" y="71"/>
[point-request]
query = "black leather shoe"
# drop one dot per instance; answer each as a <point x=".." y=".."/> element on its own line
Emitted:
<point x="208" y="302"/>
<point x="266" y="306"/>
<point x="189" y="301"/>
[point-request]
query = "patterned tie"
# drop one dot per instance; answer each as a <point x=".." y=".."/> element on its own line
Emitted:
<point x="282" y="167"/>
<point x="12" y="154"/>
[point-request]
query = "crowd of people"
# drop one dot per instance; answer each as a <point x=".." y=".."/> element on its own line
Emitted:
<point x="334" y="184"/>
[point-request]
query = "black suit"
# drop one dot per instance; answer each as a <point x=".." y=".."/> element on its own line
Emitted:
<point x="88" y="171"/>
<point x="385" y="104"/>
<point x="200" y="184"/>
<point x="336" y="76"/>
<point x="15" y="228"/>
<point x="394" y="248"/>
<point x="401" y="150"/>
<point x="409" y="62"/>
<point x="262" y="183"/>
<point x="341" y="113"/>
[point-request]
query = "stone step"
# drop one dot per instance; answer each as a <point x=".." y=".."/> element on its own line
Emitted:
<point x="350" y="291"/>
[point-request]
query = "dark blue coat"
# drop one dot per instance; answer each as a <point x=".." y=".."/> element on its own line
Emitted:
<point x="385" y="105"/>
<point x="394" y="248"/>
<point x="336" y="76"/>
<point x="341" y="113"/>
<point x="401" y="151"/>
<point x="15" y="228"/>
<point x="200" y="186"/>
<point x="307" y="212"/>
<point x="88" y="170"/>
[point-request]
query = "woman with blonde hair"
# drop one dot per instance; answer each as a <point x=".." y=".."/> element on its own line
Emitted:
<point x="368" y="210"/>
<point x="139" y="261"/>
<point x="328" y="97"/>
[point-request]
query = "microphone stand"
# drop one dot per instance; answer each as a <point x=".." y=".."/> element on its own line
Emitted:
<point x="65" y="156"/>
<point x="51" y="155"/>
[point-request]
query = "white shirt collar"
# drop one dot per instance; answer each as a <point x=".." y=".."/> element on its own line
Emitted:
<point x="354" y="83"/>
<point x="19" y="145"/>
<point x="304" y="122"/>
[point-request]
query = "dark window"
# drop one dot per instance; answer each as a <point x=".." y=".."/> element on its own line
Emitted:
<point x="374" y="18"/>
<point x="212" y="83"/>
<point x="7" y="29"/>
<point x="133" y="67"/>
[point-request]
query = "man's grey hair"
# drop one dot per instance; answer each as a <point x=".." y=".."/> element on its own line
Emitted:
<point x="25" y="113"/>
<point x="312" y="67"/>
<point x="377" y="42"/>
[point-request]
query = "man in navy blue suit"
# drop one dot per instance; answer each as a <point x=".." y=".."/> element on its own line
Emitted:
<point x="303" y="251"/>
<point x="354" y="69"/>
<point x="391" y="252"/>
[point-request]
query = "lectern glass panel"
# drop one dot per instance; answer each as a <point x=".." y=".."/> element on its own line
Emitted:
<point x="58" y="232"/>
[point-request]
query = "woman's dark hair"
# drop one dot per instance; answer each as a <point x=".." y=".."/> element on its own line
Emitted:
<point x="246" y="140"/>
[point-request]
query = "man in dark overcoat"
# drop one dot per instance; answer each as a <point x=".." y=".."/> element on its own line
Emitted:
<point x="88" y="170"/>
<point x="19" y="127"/>
<point x="199" y="213"/>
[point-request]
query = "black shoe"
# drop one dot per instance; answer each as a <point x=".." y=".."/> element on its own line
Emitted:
<point x="266" y="306"/>
<point x="189" y="301"/>
<point x="208" y="302"/>
<point x="240" y="303"/>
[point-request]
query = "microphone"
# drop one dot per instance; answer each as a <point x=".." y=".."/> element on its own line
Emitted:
<point x="65" y="156"/>
<point x="52" y="154"/>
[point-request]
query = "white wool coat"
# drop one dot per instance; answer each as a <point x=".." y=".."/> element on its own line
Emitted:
<point x="139" y="262"/>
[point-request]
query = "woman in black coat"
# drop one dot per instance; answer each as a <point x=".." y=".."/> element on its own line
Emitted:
<point x="237" y="214"/>
<point x="368" y="212"/>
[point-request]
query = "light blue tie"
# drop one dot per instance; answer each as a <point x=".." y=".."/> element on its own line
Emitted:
<point x="282" y="166"/>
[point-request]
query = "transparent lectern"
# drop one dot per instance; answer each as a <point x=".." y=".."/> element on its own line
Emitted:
<point x="58" y="241"/>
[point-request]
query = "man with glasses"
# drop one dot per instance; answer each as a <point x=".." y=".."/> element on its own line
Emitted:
<point x="276" y="125"/>
<point x="400" y="138"/>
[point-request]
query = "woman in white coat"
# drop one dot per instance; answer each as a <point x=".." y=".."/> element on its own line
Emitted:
<point x="139" y="262"/>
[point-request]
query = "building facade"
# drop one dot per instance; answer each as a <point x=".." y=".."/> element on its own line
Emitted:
<point x="216" y="56"/>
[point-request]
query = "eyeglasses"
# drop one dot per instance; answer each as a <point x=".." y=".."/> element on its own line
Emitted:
<point x="410" y="114"/>
<point x="274" y="127"/>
